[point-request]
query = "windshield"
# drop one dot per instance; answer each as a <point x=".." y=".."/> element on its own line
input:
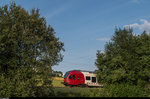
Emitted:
<point x="67" y="73"/>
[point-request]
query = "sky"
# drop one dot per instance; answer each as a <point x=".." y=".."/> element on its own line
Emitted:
<point x="85" y="26"/>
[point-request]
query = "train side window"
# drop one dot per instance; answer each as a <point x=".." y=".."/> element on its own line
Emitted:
<point x="93" y="79"/>
<point x="87" y="77"/>
<point x="70" y="77"/>
<point x="73" y="77"/>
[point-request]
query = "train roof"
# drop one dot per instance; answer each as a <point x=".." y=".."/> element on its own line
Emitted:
<point x="83" y="71"/>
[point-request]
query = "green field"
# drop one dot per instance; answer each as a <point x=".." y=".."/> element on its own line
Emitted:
<point x="57" y="82"/>
<point x="61" y="91"/>
<point x="75" y="92"/>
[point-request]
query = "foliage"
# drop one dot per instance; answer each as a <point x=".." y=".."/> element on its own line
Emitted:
<point x="16" y="86"/>
<point x="57" y="73"/>
<point x="76" y="92"/>
<point x="126" y="59"/>
<point x="61" y="91"/>
<point x="123" y="90"/>
<point x="28" y="50"/>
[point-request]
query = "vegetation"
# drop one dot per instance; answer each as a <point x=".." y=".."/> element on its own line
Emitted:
<point x="76" y="92"/>
<point x="62" y="91"/>
<point x="57" y="74"/>
<point x="126" y="59"/>
<point x="28" y="50"/>
<point x="123" y="90"/>
<point x="57" y="82"/>
<point x="112" y="90"/>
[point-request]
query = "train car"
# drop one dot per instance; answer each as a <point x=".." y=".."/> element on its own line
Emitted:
<point x="80" y="78"/>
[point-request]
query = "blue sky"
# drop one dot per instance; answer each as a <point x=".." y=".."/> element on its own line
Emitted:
<point x="86" y="25"/>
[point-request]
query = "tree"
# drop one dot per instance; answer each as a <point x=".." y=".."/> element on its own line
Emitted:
<point x="57" y="74"/>
<point x="27" y="46"/>
<point x="126" y="59"/>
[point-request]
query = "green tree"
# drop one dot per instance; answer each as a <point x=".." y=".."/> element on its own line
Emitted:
<point x="57" y="73"/>
<point x="28" y="50"/>
<point x="126" y="59"/>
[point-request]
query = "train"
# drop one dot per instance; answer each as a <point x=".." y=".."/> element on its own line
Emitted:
<point x="80" y="78"/>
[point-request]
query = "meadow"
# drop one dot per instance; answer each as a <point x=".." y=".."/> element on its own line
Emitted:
<point x="112" y="90"/>
<point x="57" y="82"/>
<point x="62" y="91"/>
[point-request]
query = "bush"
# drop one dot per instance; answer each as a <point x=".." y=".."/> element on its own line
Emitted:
<point x="20" y="86"/>
<point x="94" y="93"/>
<point x="74" y="92"/>
<point x="123" y="90"/>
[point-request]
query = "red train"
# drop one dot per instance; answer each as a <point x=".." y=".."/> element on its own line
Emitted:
<point x="80" y="78"/>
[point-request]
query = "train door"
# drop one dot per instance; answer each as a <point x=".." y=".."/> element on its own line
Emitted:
<point x="79" y="79"/>
<point x="72" y="79"/>
<point x="76" y="79"/>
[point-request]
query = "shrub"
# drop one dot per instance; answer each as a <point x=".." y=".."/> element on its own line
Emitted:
<point x="123" y="90"/>
<point x="16" y="86"/>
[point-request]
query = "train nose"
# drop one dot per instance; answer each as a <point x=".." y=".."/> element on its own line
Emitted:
<point x="65" y="82"/>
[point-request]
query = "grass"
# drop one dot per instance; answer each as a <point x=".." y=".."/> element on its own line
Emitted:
<point x="62" y="91"/>
<point x="57" y="82"/>
<point x="74" y="91"/>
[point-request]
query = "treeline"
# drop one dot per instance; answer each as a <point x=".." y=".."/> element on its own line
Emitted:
<point x="125" y="62"/>
<point x="28" y="50"/>
<point x="57" y="74"/>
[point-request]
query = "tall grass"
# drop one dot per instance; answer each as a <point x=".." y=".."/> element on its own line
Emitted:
<point x="75" y="92"/>
<point x="113" y="90"/>
<point x="57" y="82"/>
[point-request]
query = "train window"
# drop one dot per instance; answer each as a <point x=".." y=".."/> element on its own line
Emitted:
<point x="93" y="79"/>
<point x="67" y="73"/>
<point x="87" y="77"/>
<point x="73" y="76"/>
<point x="70" y="77"/>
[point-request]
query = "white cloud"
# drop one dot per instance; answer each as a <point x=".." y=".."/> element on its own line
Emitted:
<point x="103" y="39"/>
<point x="136" y="1"/>
<point x="56" y="12"/>
<point x="144" y="26"/>
<point x="59" y="10"/>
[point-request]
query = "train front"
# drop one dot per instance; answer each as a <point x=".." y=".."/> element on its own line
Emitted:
<point x="66" y="78"/>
